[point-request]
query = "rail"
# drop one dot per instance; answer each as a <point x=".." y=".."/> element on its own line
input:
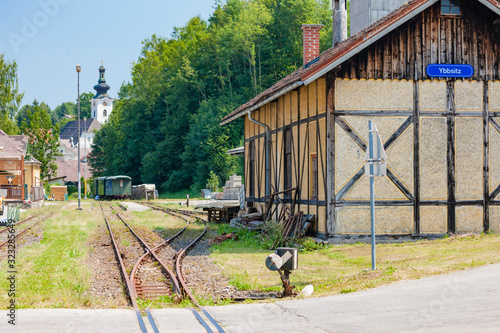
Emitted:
<point x="26" y="229"/>
<point x="178" y="267"/>
<point x="125" y="276"/>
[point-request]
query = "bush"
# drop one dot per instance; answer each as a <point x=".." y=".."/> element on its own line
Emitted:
<point x="308" y="244"/>
<point x="72" y="189"/>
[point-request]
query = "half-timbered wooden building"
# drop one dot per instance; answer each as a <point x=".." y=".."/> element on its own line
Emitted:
<point x="441" y="134"/>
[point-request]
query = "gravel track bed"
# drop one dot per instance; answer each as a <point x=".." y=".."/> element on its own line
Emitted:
<point x="202" y="275"/>
<point x="129" y="247"/>
<point x="106" y="288"/>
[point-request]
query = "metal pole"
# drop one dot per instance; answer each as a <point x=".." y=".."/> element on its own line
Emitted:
<point x="85" y="153"/>
<point x="372" y="191"/>
<point x="79" y="182"/>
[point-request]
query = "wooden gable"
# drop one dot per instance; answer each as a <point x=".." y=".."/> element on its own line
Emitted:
<point x="432" y="38"/>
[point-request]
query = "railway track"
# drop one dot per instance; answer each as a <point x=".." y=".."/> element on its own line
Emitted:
<point x="21" y="227"/>
<point x="181" y="253"/>
<point x="139" y="283"/>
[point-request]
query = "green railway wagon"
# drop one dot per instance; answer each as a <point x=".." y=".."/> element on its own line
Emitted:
<point x="118" y="186"/>
<point x="100" y="186"/>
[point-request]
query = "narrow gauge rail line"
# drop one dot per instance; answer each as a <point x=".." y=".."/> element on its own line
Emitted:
<point x="178" y="266"/>
<point x="125" y="276"/>
<point x="131" y="281"/>
<point x="26" y="229"/>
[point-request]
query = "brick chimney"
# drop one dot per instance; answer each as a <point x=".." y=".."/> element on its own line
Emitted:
<point x="311" y="41"/>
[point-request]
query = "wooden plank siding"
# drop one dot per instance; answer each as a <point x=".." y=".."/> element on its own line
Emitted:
<point x="316" y="124"/>
<point x="302" y="114"/>
<point x="432" y="38"/>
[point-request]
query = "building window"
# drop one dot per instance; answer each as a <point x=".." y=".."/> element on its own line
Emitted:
<point x="314" y="175"/>
<point x="104" y="113"/>
<point x="288" y="162"/>
<point x="450" y="7"/>
<point x="251" y="167"/>
<point x="121" y="182"/>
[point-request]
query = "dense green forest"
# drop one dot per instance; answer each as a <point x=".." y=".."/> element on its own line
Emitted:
<point x="164" y="126"/>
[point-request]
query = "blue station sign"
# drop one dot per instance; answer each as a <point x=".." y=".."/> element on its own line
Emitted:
<point x="447" y="70"/>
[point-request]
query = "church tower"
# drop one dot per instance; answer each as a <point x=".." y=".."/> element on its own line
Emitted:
<point x="102" y="104"/>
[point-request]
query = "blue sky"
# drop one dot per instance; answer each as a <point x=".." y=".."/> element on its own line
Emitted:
<point x="48" y="38"/>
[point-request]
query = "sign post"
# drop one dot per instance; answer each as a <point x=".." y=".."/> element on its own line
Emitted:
<point x="376" y="167"/>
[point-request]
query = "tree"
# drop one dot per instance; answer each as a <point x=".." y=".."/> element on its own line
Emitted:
<point x="165" y="124"/>
<point x="22" y="115"/>
<point x="85" y="105"/>
<point x="43" y="139"/>
<point x="10" y="97"/>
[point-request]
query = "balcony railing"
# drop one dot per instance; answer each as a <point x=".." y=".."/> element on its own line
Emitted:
<point x="13" y="192"/>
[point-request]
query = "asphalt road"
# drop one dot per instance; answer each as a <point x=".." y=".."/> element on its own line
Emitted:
<point x="465" y="301"/>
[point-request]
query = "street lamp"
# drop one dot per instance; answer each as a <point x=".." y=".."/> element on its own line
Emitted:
<point x="78" y="69"/>
<point x="85" y="153"/>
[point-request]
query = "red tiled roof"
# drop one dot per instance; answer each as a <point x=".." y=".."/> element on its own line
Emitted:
<point x="342" y="52"/>
<point x="13" y="146"/>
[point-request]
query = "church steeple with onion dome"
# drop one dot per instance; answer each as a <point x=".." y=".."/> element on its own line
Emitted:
<point x="102" y="104"/>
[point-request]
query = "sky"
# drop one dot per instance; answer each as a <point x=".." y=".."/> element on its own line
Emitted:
<point x="48" y="38"/>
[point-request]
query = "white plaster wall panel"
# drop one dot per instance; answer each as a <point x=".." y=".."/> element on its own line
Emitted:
<point x="384" y="190"/>
<point x="432" y="95"/>
<point x="469" y="219"/>
<point x="349" y="157"/>
<point x="494" y="147"/>
<point x="400" y="158"/>
<point x="373" y="94"/>
<point x="386" y="126"/>
<point x="494" y="95"/>
<point x="432" y="153"/>
<point x="388" y="220"/>
<point x="495" y="219"/>
<point x="433" y="219"/>
<point x="469" y="95"/>
<point x="469" y="158"/>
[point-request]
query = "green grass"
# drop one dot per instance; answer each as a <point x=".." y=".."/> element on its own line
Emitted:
<point x="52" y="273"/>
<point x="346" y="268"/>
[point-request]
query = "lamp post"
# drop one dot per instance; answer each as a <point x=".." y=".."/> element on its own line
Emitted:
<point x="78" y="69"/>
<point x="85" y="153"/>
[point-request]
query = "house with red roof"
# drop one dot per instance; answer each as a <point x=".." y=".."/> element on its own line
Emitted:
<point x="19" y="172"/>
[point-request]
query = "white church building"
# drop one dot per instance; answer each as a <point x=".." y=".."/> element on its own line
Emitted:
<point x="102" y="104"/>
